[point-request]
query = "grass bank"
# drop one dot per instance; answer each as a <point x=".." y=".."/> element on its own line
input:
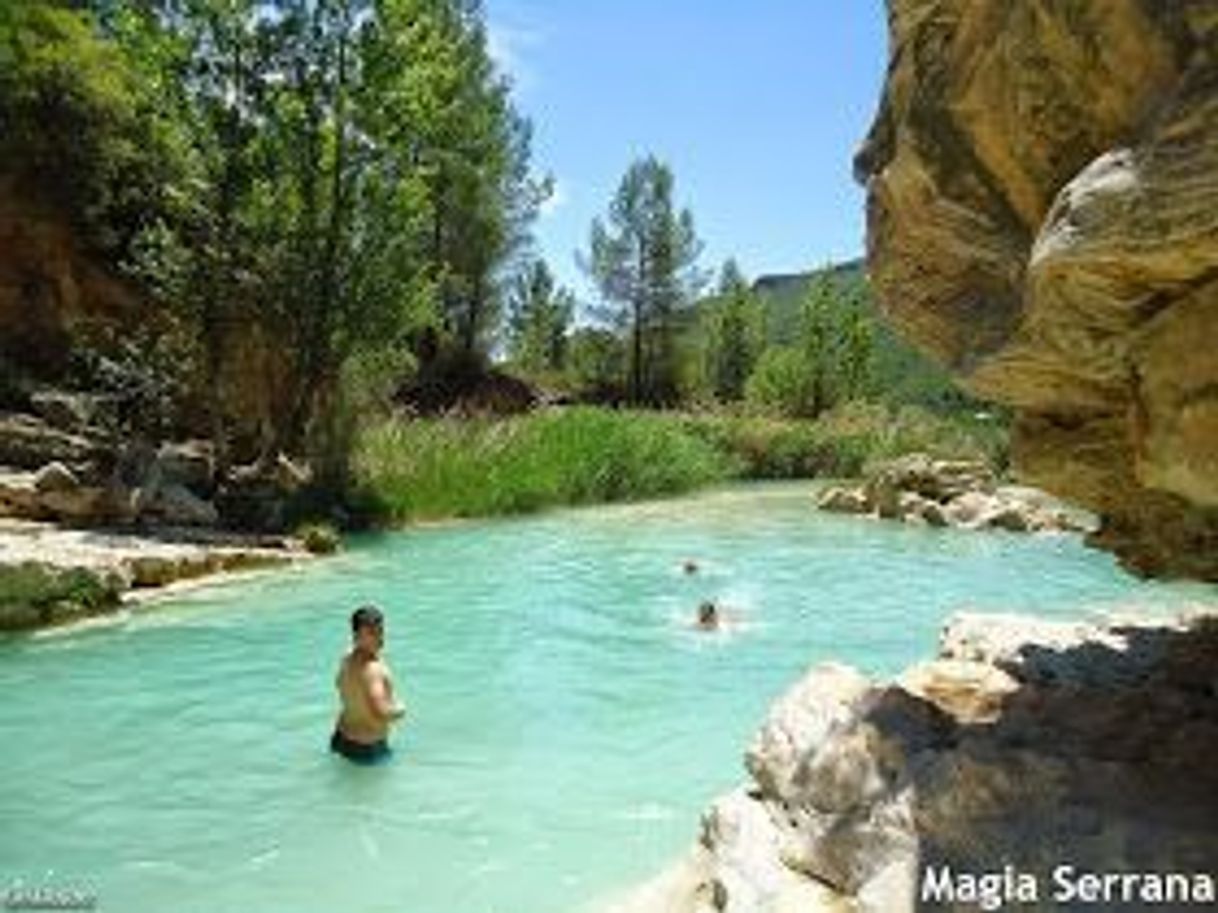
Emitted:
<point x="439" y="468"/>
<point x="436" y="468"/>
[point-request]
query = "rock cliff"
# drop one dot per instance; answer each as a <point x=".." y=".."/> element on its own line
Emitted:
<point x="1042" y="185"/>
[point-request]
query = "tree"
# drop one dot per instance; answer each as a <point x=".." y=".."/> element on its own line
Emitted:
<point x="780" y="382"/>
<point x="539" y="318"/>
<point x="831" y="358"/>
<point x="76" y="129"/>
<point x="643" y="259"/>
<point x="596" y="363"/>
<point x="858" y="350"/>
<point x="818" y="342"/>
<point x="735" y="334"/>
<point x="359" y="172"/>
<point x="470" y="148"/>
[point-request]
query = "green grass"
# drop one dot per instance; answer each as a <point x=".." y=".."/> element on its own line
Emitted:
<point x="438" y="468"/>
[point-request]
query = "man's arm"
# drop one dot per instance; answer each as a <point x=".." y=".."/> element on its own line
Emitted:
<point x="380" y="693"/>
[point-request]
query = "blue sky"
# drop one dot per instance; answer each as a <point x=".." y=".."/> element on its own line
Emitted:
<point x="757" y="106"/>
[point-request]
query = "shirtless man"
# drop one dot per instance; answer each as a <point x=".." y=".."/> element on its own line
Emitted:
<point x="366" y="690"/>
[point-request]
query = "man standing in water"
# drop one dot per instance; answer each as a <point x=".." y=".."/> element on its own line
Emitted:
<point x="366" y="690"/>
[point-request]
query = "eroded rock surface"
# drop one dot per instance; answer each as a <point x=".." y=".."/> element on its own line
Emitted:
<point x="1043" y="218"/>
<point x="1026" y="743"/>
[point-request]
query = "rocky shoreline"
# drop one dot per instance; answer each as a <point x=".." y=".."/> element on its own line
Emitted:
<point x="93" y="512"/>
<point x="952" y="493"/>
<point x="53" y="575"/>
<point x="1025" y="743"/>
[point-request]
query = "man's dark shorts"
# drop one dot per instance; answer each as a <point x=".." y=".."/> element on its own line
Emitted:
<point x="359" y="752"/>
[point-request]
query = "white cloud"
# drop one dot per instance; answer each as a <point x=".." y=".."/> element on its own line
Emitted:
<point x="508" y="46"/>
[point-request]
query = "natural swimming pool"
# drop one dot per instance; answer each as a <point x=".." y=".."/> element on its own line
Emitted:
<point x="566" y="725"/>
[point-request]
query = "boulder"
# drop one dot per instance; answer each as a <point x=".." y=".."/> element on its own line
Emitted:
<point x="840" y="499"/>
<point x="919" y="489"/>
<point x="174" y="505"/>
<point x="18" y="494"/>
<point x="55" y="477"/>
<point x="28" y="442"/>
<point x="1023" y="737"/>
<point x="54" y="493"/>
<point x="257" y="497"/>
<point x="190" y="464"/>
<point x="75" y="411"/>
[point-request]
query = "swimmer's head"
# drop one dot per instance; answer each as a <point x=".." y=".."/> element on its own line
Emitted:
<point x="689" y="566"/>
<point x="708" y="615"/>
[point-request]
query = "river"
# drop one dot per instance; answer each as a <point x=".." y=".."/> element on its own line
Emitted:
<point x="566" y="725"/>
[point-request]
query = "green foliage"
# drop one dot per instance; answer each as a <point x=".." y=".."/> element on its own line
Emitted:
<point x="875" y="362"/>
<point x="33" y="594"/>
<point x="780" y="383"/>
<point x="643" y="258"/>
<point x="846" y="439"/>
<point x="437" y="468"/>
<point x="444" y="468"/>
<point x="734" y="335"/>
<point x="539" y="320"/>
<point x="341" y="173"/>
<point x="319" y="538"/>
<point x="597" y="364"/>
<point x="78" y="128"/>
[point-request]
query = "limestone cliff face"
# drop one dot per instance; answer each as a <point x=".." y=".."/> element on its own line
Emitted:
<point x="1042" y="187"/>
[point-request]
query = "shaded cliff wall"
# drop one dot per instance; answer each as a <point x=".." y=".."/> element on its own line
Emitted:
<point x="1042" y="185"/>
<point x="49" y="288"/>
<point x="58" y="297"/>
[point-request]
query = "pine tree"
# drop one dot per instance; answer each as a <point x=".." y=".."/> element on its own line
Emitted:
<point x="735" y="334"/>
<point x="539" y="319"/>
<point x="643" y="259"/>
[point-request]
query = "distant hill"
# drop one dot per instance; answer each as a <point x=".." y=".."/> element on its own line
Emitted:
<point x="782" y="284"/>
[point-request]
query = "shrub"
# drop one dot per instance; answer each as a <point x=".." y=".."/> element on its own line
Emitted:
<point x="319" y="538"/>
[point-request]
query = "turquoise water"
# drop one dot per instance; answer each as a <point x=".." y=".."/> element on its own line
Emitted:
<point x="566" y="726"/>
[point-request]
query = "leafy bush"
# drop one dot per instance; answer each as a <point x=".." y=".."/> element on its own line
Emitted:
<point x="319" y="538"/>
<point x="843" y="441"/>
<point x="779" y="383"/>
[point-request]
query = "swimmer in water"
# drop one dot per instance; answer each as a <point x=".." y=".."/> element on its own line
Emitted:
<point x="708" y="617"/>
<point x="689" y="566"/>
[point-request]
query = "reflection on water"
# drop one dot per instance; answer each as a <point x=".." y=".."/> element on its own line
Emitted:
<point x="566" y="727"/>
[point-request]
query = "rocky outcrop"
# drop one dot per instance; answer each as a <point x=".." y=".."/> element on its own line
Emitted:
<point x="63" y="468"/>
<point x="960" y="493"/>
<point x="1026" y="744"/>
<point x="1042" y="184"/>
